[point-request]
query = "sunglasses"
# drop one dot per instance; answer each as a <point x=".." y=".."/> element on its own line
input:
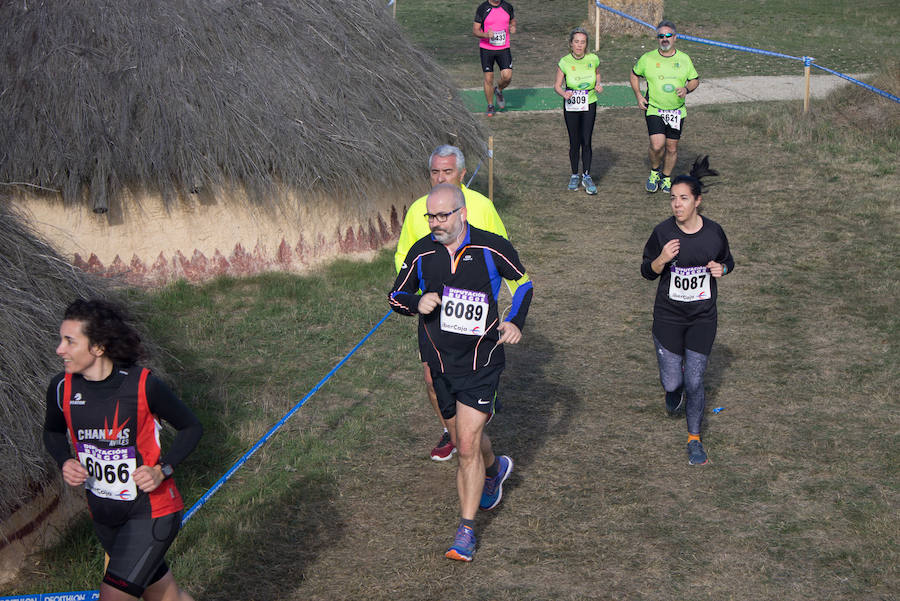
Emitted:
<point x="665" y="35"/>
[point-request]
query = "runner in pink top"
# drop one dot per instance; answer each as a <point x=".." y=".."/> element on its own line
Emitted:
<point x="495" y="21"/>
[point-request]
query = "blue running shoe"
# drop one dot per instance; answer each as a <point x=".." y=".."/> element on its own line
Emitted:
<point x="501" y="101"/>
<point x="574" y="181"/>
<point x="490" y="110"/>
<point x="652" y="184"/>
<point x="588" y="184"/>
<point x="463" y="545"/>
<point x="493" y="487"/>
<point x="666" y="185"/>
<point x="696" y="454"/>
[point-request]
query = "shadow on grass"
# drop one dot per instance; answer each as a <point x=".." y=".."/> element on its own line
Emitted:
<point x="720" y="361"/>
<point x="275" y="554"/>
<point x="535" y="408"/>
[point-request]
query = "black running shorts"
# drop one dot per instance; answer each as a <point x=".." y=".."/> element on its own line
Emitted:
<point x="503" y="58"/>
<point x="477" y="389"/>
<point x="656" y="125"/>
<point x="137" y="550"/>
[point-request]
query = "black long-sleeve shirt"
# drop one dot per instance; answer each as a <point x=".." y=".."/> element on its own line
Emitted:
<point x="696" y="250"/>
<point x="468" y="283"/>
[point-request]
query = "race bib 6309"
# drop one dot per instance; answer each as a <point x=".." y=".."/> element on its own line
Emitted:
<point x="578" y="101"/>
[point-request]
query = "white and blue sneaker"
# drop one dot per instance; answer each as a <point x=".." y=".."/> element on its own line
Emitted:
<point x="574" y="182"/>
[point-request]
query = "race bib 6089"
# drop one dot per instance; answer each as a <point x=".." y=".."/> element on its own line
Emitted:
<point x="464" y="311"/>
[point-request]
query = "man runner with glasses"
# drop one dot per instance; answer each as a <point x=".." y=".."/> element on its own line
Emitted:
<point x="446" y="165"/>
<point x="670" y="76"/>
<point x="451" y="279"/>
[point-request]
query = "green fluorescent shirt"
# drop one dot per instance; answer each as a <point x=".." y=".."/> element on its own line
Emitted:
<point x="581" y="74"/>
<point x="664" y="74"/>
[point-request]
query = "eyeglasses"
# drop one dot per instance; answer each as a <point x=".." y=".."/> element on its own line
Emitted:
<point x="440" y="217"/>
<point x="665" y="35"/>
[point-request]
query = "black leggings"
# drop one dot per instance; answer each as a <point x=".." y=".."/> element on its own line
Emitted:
<point x="580" y="125"/>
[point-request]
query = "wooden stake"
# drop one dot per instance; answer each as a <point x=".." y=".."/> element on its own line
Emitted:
<point x="807" y="60"/>
<point x="597" y="29"/>
<point x="395" y="9"/>
<point x="491" y="168"/>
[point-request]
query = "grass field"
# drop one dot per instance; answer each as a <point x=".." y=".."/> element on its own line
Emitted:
<point x="801" y="497"/>
<point x="843" y="35"/>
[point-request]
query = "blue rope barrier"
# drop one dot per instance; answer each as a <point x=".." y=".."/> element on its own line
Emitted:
<point x="215" y="487"/>
<point x="474" y="173"/>
<point x="859" y="83"/>
<point x="806" y="60"/>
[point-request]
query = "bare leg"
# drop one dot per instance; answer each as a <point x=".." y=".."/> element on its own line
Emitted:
<point x="474" y="448"/>
<point x="657" y="148"/>
<point x="489" y="86"/>
<point x="671" y="156"/>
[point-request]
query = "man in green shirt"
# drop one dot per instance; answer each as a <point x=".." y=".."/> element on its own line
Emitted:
<point x="670" y="76"/>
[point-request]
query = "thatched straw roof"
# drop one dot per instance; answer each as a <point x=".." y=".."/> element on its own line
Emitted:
<point x="36" y="284"/>
<point x="101" y="96"/>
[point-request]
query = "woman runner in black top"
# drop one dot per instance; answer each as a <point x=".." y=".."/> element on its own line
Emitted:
<point x="110" y="408"/>
<point x="690" y="253"/>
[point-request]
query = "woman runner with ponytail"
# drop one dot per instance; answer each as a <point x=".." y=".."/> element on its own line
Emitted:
<point x="690" y="253"/>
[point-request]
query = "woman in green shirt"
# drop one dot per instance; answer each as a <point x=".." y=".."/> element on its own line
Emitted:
<point x="578" y="82"/>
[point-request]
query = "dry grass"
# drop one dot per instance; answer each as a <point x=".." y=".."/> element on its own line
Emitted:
<point x="113" y="96"/>
<point x="36" y="284"/>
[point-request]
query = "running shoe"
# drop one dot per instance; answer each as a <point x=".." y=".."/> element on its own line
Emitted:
<point x="493" y="487"/>
<point x="696" y="454"/>
<point x="666" y="186"/>
<point x="574" y="181"/>
<point x="653" y="181"/>
<point x="444" y="449"/>
<point x="675" y="402"/>
<point x="501" y="101"/>
<point x="463" y="547"/>
<point x="490" y="110"/>
<point x="588" y="184"/>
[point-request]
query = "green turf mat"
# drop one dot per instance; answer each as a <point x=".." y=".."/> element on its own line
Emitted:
<point x="544" y="99"/>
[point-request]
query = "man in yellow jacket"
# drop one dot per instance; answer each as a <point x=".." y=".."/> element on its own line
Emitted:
<point x="447" y="165"/>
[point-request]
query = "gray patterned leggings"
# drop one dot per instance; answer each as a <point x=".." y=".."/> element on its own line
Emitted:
<point x="685" y="370"/>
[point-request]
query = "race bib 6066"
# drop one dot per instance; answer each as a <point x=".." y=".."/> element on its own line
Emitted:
<point x="464" y="311"/>
<point x="109" y="471"/>
<point x="689" y="284"/>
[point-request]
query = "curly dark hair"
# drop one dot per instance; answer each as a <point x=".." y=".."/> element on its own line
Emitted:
<point x="106" y="325"/>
